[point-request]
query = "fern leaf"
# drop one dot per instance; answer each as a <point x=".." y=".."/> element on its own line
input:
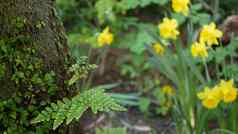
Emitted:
<point x="68" y="110"/>
<point x="80" y="69"/>
<point x="74" y="113"/>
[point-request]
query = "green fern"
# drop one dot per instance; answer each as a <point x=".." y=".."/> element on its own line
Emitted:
<point x="80" y="69"/>
<point x="111" y="131"/>
<point x="68" y="110"/>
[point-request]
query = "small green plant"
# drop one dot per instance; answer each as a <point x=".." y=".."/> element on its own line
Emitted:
<point x="70" y="109"/>
<point x="80" y="69"/>
<point x="144" y="104"/>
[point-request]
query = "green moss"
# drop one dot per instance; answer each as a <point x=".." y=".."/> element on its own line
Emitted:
<point x="40" y="24"/>
<point x="2" y="70"/>
<point x="34" y="87"/>
<point x="18" y="23"/>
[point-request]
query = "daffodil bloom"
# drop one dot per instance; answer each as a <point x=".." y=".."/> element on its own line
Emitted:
<point x="202" y="95"/>
<point x="168" y="28"/>
<point x="181" y="6"/>
<point x="168" y="90"/>
<point x="210" y="34"/>
<point x="105" y="38"/>
<point x="158" y="48"/>
<point x="229" y="92"/>
<point x="210" y="97"/>
<point x="199" y="50"/>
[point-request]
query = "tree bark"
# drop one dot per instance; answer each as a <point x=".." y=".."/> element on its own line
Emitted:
<point x="32" y="44"/>
<point x="46" y="32"/>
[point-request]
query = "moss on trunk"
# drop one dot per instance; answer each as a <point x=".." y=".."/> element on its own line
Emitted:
<point x="36" y="20"/>
<point x="34" y="62"/>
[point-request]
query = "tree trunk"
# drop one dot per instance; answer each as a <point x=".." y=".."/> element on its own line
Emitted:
<point x="42" y="28"/>
<point x="34" y="58"/>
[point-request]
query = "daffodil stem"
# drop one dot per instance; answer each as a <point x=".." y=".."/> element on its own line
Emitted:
<point x="216" y="9"/>
<point x="99" y="60"/>
<point x="207" y="71"/>
<point x="233" y="117"/>
<point x="232" y="63"/>
<point x="85" y="80"/>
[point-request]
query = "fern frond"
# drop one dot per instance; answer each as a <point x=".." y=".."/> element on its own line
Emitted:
<point x="68" y="110"/>
<point x="80" y="69"/>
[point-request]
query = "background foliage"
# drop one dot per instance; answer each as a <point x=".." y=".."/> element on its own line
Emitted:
<point x="134" y="23"/>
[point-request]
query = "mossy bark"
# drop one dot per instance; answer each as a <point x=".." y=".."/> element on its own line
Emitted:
<point x="40" y="25"/>
<point x="32" y="24"/>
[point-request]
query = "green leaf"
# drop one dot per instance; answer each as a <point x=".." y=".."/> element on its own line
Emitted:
<point x="144" y="104"/>
<point x="160" y="96"/>
<point x="132" y="4"/>
<point x="105" y="10"/>
<point x="196" y="7"/>
<point x="73" y="79"/>
<point x="128" y="99"/>
<point x="110" y="131"/>
<point x="179" y="17"/>
<point x="68" y="110"/>
<point x="143" y="38"/>
<point x="204" y="18"/>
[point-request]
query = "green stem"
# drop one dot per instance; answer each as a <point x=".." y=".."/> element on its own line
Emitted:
<point x="232" y="63"/>
<point x="89" y="59"/>
<point x="233" y="118"/>
<point x="207" y="71"/>
<point x="216" y="10"/>
<point x="202" y="120"/>
<point x="102" y="55"/>
<point x="221" y="117"/>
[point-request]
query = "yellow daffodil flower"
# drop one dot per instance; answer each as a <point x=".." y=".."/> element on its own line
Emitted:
<point x="199" y="50"/>
<point x="210" y="34"/>
<point x="224" y="91"/>
<point x="168" y="28"/>
<point x="202" y="95"/>
<point x="229" y="92"/>
<point x="181" y="6"/>
<point x="105" y="38"/>
<point x="210" y="97"/>
<point x="168" y="90"/>
<point x="211" y="102"/>
<point x="158" y="48"/>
